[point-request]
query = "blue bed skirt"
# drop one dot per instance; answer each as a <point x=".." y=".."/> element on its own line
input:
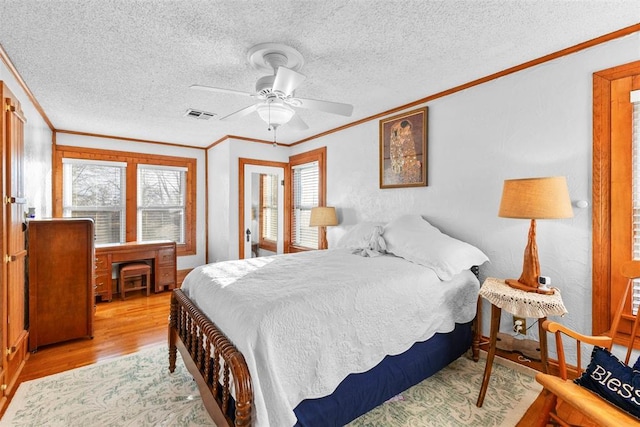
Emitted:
<point x="359" y="393"/>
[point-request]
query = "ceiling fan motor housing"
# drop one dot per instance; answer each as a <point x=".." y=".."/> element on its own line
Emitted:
<point x="264" y="86"/>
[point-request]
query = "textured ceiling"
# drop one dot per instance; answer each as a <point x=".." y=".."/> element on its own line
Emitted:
<point x="124" y="67"/>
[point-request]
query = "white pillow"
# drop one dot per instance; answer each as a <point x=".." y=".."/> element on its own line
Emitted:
<point x="414" y="239"/>
<point x="359" y="236"/>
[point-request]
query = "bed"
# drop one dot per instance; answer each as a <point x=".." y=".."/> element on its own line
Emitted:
<point x="321" y="337"/>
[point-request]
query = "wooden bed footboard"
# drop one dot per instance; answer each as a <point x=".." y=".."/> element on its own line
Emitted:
<point x="213" y="361"/>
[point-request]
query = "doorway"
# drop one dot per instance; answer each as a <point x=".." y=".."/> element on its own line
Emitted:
<point x="261" y="213"/>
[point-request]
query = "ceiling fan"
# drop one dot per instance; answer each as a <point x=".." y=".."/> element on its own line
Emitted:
<point x="275" y="92"/>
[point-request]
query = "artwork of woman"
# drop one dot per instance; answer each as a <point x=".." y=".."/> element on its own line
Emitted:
<point x="404" y="161"/>
<point x="403" y="150"/>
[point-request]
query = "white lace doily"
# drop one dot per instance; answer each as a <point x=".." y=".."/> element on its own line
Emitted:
<point x="521" y="303"/>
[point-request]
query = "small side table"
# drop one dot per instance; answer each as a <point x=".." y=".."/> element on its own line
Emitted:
<point x="520" y="303"/>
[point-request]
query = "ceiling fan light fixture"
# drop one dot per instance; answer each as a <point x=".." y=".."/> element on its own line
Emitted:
<point x="275" y="113"/>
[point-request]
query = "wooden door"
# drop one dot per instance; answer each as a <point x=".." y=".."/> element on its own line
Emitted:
<point x="623" y="212"/>
<point x="14" y="242"/>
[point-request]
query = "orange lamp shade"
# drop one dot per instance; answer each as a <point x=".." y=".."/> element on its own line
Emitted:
<point x="323" y="216"/>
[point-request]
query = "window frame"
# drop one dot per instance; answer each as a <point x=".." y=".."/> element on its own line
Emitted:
<point x="318" y="155"/>
<point x="606" y="242"/>
<point x="132" y="160"/>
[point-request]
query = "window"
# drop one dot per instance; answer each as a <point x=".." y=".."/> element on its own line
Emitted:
<point x="307" y="191"/>
<point x="161" y="203"/>
<point x="614" y="192"/>
<point x="131" y="197"/>
<point x="268" y="211"/>
<point x="95" y="189"/>
<point x="635" y="182"/>
<point x="305" y="197"/>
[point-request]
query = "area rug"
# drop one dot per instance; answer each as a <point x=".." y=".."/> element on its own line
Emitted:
<point x="449" y="397"/>
<point x="137" y="390"/>
<point x="133" y="390"/>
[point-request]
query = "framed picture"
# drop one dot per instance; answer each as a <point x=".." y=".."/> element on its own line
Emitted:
<point x="403" y="150"/>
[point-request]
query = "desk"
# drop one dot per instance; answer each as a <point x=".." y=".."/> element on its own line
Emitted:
<point x="161" y="255"/>
<point x="519" y="303"/>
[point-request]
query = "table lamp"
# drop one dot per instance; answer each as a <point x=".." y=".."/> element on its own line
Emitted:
<point x="323" y="216"/>
<point x="534" y="198"/>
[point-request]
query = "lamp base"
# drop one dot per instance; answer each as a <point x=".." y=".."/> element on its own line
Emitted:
<point x="524" y="287"/>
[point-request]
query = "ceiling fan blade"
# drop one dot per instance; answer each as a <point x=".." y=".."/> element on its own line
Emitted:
<point x="222" y="90"/>
<point x="287" y="81"/>
<point x="326" y="106"/>
<point x="297" y="123"/>
<point x="241" y="113"/>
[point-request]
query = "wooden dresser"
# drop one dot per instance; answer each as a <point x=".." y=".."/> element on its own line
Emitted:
<point x="161" y="255"/>
<point x="61" y="268"/>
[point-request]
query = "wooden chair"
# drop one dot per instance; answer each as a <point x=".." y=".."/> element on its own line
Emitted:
<point x="582" y="400"/>
<point x="131" y="271"/>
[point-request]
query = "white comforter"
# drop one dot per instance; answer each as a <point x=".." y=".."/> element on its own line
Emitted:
<point x="305" y="321"/>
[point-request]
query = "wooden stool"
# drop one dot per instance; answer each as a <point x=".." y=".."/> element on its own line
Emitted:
<point x="129" y="271"/>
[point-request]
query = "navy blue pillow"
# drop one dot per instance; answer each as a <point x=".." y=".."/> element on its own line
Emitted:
<point x="613" y="380"/>
<point x="636" y="366"/>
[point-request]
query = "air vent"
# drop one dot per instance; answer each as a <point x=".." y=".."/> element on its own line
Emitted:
<point x="197" y="114"/>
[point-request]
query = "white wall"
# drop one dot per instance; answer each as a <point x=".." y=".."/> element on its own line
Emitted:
<point x="224" y="191"/>
<point x="537" y="122"/>
<point x="184" y="262"/>
<point x="37" y="149"/>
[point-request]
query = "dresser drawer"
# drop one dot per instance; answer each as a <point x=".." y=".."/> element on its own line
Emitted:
<point x="166" y="275"/>
<point x="102" y="282"/>
<point x="167" y="256"/>
<point x="102" y="263"/>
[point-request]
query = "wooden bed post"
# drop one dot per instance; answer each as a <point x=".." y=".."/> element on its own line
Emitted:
<point x="173" y="324"/>
<point x="477" y="322"/>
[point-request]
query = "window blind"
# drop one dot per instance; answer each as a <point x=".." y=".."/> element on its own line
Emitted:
<point x="269" y="207"/>
<point x="305" y="197"/>
<point x="635" y="303"/>
<point x="161" y="203"/>
<point x="94" y="189"/>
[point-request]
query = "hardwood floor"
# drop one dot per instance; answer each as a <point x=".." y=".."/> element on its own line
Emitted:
<point x="123" y="327"/>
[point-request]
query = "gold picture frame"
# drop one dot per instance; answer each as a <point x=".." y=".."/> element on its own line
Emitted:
<point x="403" y="150"/>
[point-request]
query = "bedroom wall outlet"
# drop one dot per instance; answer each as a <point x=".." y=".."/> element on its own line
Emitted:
<point x="520" y="325"/>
